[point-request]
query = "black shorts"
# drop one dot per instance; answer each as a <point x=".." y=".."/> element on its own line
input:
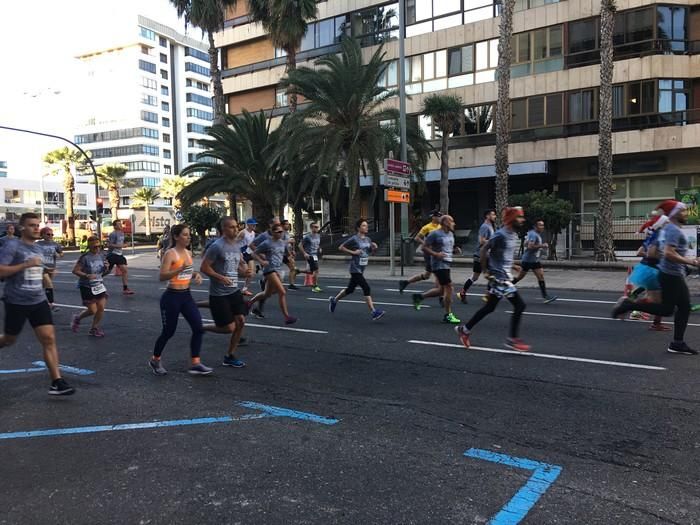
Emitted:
<point x="225" y="308"/>
<point x="88" y="297"/>
<point x="530" y="265"/>
<point x="247" y="257"/>
<point x="358" y="279"/>
<point x="443" y="276"/>
<point x="476" y="265"/>
<point x="313" y="265"/>
<point x="15" y="314"/>
<point x="116" y="260"/>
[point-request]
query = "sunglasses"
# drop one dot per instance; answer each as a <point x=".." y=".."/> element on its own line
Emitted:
<point x="277" y="231"/>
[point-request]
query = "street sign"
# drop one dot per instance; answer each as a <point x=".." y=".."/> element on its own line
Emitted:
<point x="402" y="197"/>
<point x="396" y="181"/>
<point x="396" y="166"/>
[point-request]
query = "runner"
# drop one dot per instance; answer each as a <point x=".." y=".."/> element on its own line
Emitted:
<point x="290" y="254"/>
<point x="270" y="255"/>
<point x="257" y="311"/>
<point x="90" y="269"/>
<point x="222" y="264"/>
<point x="433" y="225"/>
<point x="531" y="260"/>
<point x="439" y="245"/>
<point x="176" y="268"/>
<point x="497" y="257"/>
<point x="115" y="257"/>
<point x="163" y="242"/>
<point x="25" y="300"/>
<point x="50" y="250"/>
<point x="675" y="297"/>
<point x="359" y="246"/>
<point x="310" y="250"/>
<point x="248" y="237"/>
<point x="485" y="232"/>
<point x="84" y="244"/>
<point x="9" y="235"/>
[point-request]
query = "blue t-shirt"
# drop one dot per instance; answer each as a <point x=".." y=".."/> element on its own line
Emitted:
<point x="116" y="237"/>
<point x="485" y="231"/>
<point x="358" y="263"/>
<point x="224" y="258"/>
<point x="441" y="241"/>
<point x="532" y="255"/>
<point x="311" y="243"/>
<point x="274" y="253"/>
<point x="672" y="235"/>
<point x="26" y="286"/>
<point x="502" y="247"/>
<point x="49" y="249"/>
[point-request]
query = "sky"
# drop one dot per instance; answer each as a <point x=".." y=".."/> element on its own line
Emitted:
<point x="38" y="44"/>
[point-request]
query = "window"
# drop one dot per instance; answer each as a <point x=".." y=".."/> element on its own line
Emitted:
<point x="205" y="115"/>
<point x="461" y="60"/>
<point x="583" y="36"/>
<point x="537" y="51"/>
<point x="149" y="83"/>
<point x="147" y="33"/>
<point x="672" y="26"/>
<point x="673" y="97"/>
<point x="479" y="119"/>
<point x="166" y="122"/>
<point x="198" y="99"/>
<point x="166" y="138"/>
<point x="125" y="201"/>
<point x="163" y="58"/>
<point x="142" y="166"/>
<point x="167" y="154"/>
<point x="123" y="151"/>
<point x="163" y="41"/>
<point x="425" y="16"/>
<point x="149" y="100"/>
<point x="518" y="109"/>
<point x="165" y="91"/>
<point x="116" y="134"/>
<point x="163" y="74"/>
<point x="149" y="116"/>
<point x="147" y="66"/>
<point x="145" y="50"/>
<point x="634" y="26"/>
<point x="281" y="99"/>
<point x="582" y="105"/>
<point x="165" y="106"/>
<point x="190" y="82"/>
<point x="196" y="68"/>
<point x="196" y="128"/>
<point x="192" y="52"/>
<point x="390" y="76"/>
<point x="81" y="199"/>
<point x="555" y="109"/>
<point x="167" y="170"/>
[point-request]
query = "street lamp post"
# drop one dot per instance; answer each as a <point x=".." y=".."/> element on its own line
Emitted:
<point x="402" y="106"/>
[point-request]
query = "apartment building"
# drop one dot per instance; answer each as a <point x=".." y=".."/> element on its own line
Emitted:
<point x="452" y="47"/>
<point x="148" y="102"/>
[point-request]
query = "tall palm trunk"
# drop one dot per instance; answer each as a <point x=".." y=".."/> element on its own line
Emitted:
<point x="147" y="210"/>
<point x="298" y="223"/>
<point x="114" y="200"/>
<point x="219" y="102"/>
<point x="291" y="66"/>
<point x="503" y="116"/>
<point x="69" y="189"/>
<point x="604" y="243"/>
<point x="445" y="174"/>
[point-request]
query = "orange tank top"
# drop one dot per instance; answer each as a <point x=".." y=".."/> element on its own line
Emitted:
<point x="182" y="279"/>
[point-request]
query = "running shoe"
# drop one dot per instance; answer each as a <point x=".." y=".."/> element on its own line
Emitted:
<point x="200" y="370"/>
<point x="377" y="314"/>
<point x="659" y="327"/>
<point x="316" y="289"/>
<point x="257" y="313"/>
<point x="96" y="332"/>
<point x="75" y="323"/>
<point x="639" y="316"/>
<point x="230" y="360"/>
<point x="128" y="291"/>
<point x="485" y="298"/>
<point x="332" y="303"/>
<point x="550" y="299"/>
<point x="157" y="367"/>
<point x="463" y="296"/>
<point x="680" y="348"/>
<point x="451" y="319"/>
<point x="622" y="306"/>
<point x="59" y="387"/>
<point x="695" y="308"/>
<point x="293" y="287"/>
<point x="417" y="300"/>
<point x="515" y="343"/>
<point x="290" y="320"/>
<point x="55" y="308"/>
<point x="463" y="333"/>
<point x="402" y="285"/>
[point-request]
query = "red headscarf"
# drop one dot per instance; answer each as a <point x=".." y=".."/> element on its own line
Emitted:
<point x="511" y="213"/>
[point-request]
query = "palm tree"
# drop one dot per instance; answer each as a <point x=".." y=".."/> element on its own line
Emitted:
<point x="64" y="160"/>
<point x="143" y="198"/>
<point x="111" y="177"/>
<point x="445" y="112"/>
<point x="286" y="21"/>
<point x="604" y="243"/>
<point x="170" y="188"/>
<point x="503" y="116"/>
<point x="208" y="15"/>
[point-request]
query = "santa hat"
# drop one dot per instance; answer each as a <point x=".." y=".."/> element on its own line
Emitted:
<point x="655" y="223"/>
<point x="671" y="207"/>
<point x="511" y="213"/>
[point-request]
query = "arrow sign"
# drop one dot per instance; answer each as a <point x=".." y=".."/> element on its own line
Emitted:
<point x="396" y="166"/>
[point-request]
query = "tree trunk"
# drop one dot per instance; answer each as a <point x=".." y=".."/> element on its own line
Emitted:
<point x="503" y="116"/>
<point x="445" y="174"/>
<point x="147" y="210"/>
<point x="291" y="66"/>
<point x="69" y="189"/>
<point x="604" y="243"/>
<point x="218" y="98"/>
<point x="232" y="205"/>
<point x="114" y="200"/>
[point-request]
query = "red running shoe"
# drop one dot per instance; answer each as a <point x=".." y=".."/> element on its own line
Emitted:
<point x="659" y="327"/>
<point x="515" y="343"/>
<point x="463" y="333"/>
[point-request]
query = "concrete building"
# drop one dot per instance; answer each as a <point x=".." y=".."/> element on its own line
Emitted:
<point x="452" y="47"/>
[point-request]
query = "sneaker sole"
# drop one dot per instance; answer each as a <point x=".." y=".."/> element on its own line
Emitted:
<point x="234" y="366"/>
<point x="511" y="347"/>
<point x="550" y="300"/>
<point x="155" y="373"/>
<point x="197" y="373"/>
<point x="378" y="317"/>
<point x="68" y="392"/>
<point x="671" y="351"/>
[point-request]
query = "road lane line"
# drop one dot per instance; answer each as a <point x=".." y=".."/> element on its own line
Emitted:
<point x="362" y="302"/>
<point x="593" y="301"/>
<point x="22" y="370"/>
<point x="83" y="308"/>
<point x="284" y="328"/>
<point x="592" y="317"/>
<point x="535" y="354"/>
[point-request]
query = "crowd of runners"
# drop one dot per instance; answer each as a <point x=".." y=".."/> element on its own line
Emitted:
<point x="231" y="261"/>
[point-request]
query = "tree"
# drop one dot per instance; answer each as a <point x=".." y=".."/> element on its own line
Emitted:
<point x="555" y="212"/>
<point x="112" y="177"/>
<point x="604" y="243"/>
<point x="503" y="114"/>
<point x="445" y="112"/>
<point x="143" y="198"/>
<point x="170" y="188"/>
<point x="201" y="219"/>
<point x="208" y="15"/>
<point x="286" y="21"/>
<point x="64" y="160"/>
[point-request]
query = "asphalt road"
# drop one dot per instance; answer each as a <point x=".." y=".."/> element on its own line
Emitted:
<point x="607" y="436"/>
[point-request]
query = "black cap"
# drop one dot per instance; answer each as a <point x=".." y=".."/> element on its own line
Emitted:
<point x="436" y="213"/>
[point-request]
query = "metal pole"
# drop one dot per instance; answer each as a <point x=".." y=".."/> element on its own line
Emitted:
<point x="392" y="239"/>
<point x="402" y="104"/>
<point x="43" y="215"/>
<point x="133" y="228"/>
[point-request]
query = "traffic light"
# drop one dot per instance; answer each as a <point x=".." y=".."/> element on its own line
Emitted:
<point x="100" y="206"/>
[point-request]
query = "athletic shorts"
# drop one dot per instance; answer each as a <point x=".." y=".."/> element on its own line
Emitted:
<point x="313" y="265"/>
<point x="476" y="265"/>
<point x="225" y="308"/>
<point x="358" y="279"/>
<point x="16" y="314"/>
<point x="88" y="297"/>
<point x="443" y="276"/>
<point x="116" y="260"/>
<point x="530" y="265"/>
<point x="645" y="276"/>
<point x="247" y="257"/>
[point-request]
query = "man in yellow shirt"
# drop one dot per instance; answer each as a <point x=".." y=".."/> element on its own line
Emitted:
<point x="433" y="225"/>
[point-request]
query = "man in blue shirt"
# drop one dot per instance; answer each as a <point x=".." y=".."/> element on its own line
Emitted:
<point x="531" y="259"/>
<point x="485" y="232"/>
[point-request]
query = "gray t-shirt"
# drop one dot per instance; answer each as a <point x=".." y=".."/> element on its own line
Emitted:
<point x="116" y="237"/>
<point x="26" y="286"/>
<point x="311" y="244"/>
<point x="502" y="247"/>
<point x="224" y="257"/>
<point x="441" y="241"/>
<point x="92" y="264"/>
<point x="49" y="249"/>
<point x="358" y="263"/>
<point x="485" y="231"/>
<point x="274" y="253"/>
<point x="672" y="235"/>
<point x="532" y="255"/>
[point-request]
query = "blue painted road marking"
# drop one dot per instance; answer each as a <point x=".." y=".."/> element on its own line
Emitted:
<point x="266" y="412"/>
<point x="68" y="369"/>
<point x="516" y="509"/>
<point x="22" y="370"/>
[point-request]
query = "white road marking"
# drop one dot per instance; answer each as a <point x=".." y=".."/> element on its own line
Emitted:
<point x="285" y="328"/>
<point x="83" y="308"/>
<point x="362" y="302"/>
<point x="545" y="356"/>
<point x="595" y="301"/>
<point x="593" y="317"/>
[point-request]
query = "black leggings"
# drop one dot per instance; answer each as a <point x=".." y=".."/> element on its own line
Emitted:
<point x="490" y="306"/>
<point x="357" y="279"/>
<point x="172" y="304"/>
<point x="674" y="296"/>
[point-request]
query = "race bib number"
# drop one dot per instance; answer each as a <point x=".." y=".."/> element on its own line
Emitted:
<point x="315" y="258"/>
<point x="48" y="260"/>
<point x="97" y="287"/>
<point x="447" y="258"/>
<point x="33" y="278"/>
<point x="117" y="251"/>
<point x="186" y="274"/>
<point x="364" y="261"/>
<point x="233" y="277"/>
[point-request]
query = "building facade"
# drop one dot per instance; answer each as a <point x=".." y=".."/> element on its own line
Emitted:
<point x="3" y="168"/>
<point x="452" y="47"/>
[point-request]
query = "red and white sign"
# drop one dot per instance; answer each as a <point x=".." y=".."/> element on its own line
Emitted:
<point x="397" y="166"/>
